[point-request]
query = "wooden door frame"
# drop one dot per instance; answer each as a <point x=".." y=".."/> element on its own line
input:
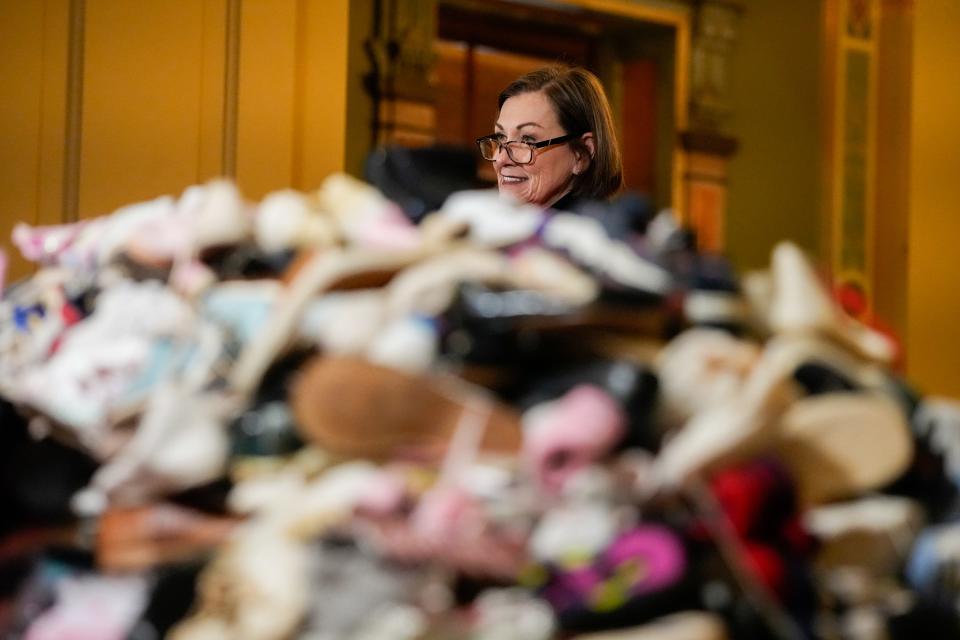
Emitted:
<point x="679" y="19"/>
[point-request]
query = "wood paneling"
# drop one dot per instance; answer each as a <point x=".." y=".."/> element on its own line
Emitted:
<point x="265" y="121"/>
<point x="639" y="120"/>
<point x="321" y="125"/>
<point x="291" y="126"/>
<point x="33" y="37"/>
<point x="455" y="91"/>
<point x="891" y="201"/>
<point x="21" y="66"/>
<point x="109" y="102"/>
<point x="151" y="101"/>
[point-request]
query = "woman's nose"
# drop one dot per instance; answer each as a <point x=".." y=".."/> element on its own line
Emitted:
<point x="501" y="157"/>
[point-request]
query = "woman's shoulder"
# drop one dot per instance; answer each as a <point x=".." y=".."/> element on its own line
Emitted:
<point x="573" y="202"/>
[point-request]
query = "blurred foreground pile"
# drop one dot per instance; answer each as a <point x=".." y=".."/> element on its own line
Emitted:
<point x="310" y="417"/>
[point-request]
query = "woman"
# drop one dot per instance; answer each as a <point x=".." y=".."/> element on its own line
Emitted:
<point x="554" y="141"/>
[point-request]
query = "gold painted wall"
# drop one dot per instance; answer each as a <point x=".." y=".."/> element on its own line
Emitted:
<point x="933" y="337"/>
<point x="33" y="50"/>
<point x="892" y="204"/>
<point x="323" y="102"/>
<point x="292" y="109"/>
<point x="775" y="93"/>
<point x="160" y="103"/>
<point x="151" y="116"/>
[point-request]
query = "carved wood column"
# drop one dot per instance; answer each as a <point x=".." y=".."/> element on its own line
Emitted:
<point x="402" y="55"/>
<point x="707" y="147"/>
<point x="705" y="183"/>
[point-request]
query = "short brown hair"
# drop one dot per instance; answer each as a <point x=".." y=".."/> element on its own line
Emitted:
<point x="581" y="106"/>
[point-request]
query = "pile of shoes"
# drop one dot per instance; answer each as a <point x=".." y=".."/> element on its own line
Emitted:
<point x="318" y="416"/>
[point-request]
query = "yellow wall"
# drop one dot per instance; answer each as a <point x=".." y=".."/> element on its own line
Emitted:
<point x="292" y="110"/>
<point x="268" y="84"/>
<point x="775" y="175"/>
<point x="933" y="337"/>
<point x="146" y="100"/>
<point x="322" y="104"/>
<point x="33" y="45"/>
<point x="154" y="103"/>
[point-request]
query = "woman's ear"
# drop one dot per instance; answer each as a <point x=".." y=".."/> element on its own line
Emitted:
<point x="583" y="159"/>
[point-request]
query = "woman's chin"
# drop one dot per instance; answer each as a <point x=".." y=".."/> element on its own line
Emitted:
<point x="514" y="191"/>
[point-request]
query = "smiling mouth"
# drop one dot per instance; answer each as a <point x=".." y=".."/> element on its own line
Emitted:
<point x="511" y="179"/>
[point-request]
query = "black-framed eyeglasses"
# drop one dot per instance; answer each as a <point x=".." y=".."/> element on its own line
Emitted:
<point x="519" y="152"/>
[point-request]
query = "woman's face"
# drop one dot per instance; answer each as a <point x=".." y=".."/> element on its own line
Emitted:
<point x="529" y="117"/>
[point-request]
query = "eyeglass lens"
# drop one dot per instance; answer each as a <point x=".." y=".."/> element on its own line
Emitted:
<point x="518" y="151"/>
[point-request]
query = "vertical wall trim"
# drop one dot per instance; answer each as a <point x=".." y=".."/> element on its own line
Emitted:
<point x="300" y="80"/>
<point x="470" y="81"/>
<point x="231" y="89"/>
<point x="74" y="128"/>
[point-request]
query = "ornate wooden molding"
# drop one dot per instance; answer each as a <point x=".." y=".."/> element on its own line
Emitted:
<point x="401" y="52"/>
<point x="715" y="33"/>
<point x="709" y="143"/>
